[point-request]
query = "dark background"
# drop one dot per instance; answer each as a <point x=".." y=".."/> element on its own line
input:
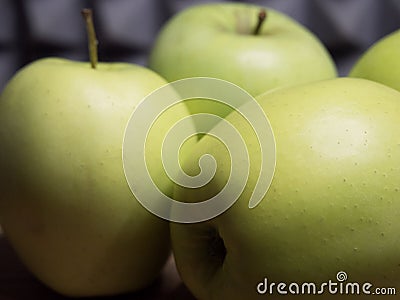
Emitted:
<point x="30" y="29"/>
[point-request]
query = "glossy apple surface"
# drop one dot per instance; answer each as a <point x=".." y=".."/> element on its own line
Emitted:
<point x="217" y="40"/>
<point x="65" y="205"/>
<point x="334" y="202"/>
<point x="381" y="62"/>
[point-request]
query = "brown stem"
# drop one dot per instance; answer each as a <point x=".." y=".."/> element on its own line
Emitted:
<point x="262" y="15"/>
<point x="92" y="40"/>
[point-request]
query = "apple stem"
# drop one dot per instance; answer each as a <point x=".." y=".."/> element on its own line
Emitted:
<point x="92" y="40"/>
<point x="262" y="15"/>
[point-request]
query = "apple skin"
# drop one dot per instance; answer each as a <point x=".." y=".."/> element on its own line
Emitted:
<point x="334" y="202"/>
<point x="65" y="204"/>
<point x="216" y="40"/>
<point x="381" y="62"/>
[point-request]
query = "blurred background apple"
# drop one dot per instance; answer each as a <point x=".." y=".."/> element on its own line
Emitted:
<point x="254" y="47"/>
<point x="381" y="62"/>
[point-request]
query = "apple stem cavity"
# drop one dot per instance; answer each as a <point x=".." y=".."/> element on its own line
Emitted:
<point x="262" y="15"/>
<point x="217" y="249"/>
<point x="91" y="33"/>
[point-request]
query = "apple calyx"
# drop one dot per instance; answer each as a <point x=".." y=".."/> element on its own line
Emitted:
<point x="92" y="40"/>
<point x="262" y="15"/>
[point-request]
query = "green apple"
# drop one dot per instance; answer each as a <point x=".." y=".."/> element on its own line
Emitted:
<point x="65" y="204"/>
<point x="219" y="40"/>
<point x="333" y="205"/>
<point x="381" y="62"/>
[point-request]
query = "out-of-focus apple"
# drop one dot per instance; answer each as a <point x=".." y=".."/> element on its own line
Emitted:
<point x="219" y="40"/>
<point x="381" y="62"/>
